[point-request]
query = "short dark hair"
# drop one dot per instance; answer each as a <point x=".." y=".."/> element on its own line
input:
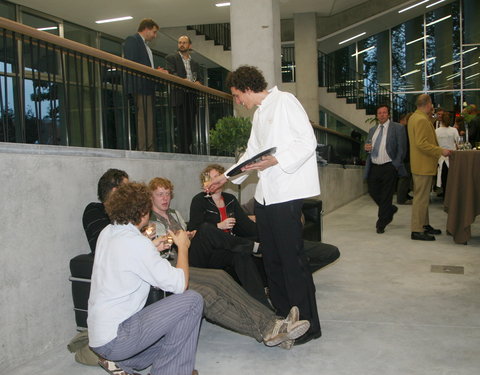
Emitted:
<point x="246" y="78"/>
<point x="110" y="179"/>
<point x="381" y="106"/>
<point x="129" y="203"/>
<point x="147" y="23"/>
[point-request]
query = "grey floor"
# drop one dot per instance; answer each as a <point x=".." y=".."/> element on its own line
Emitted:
<point x="382" y="309"/>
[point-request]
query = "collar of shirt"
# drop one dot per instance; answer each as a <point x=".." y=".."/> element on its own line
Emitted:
<point x="382" y="156"/>
<point x="271" y="96"/>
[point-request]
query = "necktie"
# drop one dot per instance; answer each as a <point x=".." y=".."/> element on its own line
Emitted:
<point x="376" y="146"/>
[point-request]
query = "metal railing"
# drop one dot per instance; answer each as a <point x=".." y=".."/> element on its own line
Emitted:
<point x="56" y="91"/>
<point x="357" y="89"/>
<point x="218" y="32"/>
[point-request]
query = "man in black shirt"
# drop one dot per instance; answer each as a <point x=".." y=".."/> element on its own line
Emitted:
<point x="94" y="217"/>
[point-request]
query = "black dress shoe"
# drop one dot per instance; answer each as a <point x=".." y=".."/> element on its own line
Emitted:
<point x="307" y="337"/>
<point x="430" y="230"/>
<point x="422" y="236"/>
<point x="380" y="230"/>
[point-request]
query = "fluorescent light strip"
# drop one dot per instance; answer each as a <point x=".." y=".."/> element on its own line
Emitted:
<point x="417" y="40"/>
<point x="469" y="66"/>
<point x="365" y="50"/>
<point x="424" y="61"/>
<point x="48" y="28"/>
<point x="434" y="74"/>
<point x="222" y="4"/>
<point x="115" y="19"/>
<point x="439" y="20"/>
<point x="438" y="2"/>
<point x="450" y="63"/>
<point x="453" y="76"/>
<point x="473" y="75"/>
<point x="413" y="6"/>
<point x="353" y="37"/>
<point x="469" y="50"/>
<point x="412" y="72"/>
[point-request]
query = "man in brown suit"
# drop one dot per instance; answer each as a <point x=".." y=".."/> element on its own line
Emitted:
<point x="424" y="154"/>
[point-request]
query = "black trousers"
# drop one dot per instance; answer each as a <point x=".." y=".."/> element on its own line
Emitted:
<point x="213" y="248"/>
<point x="289" y="278"/>
<point x="382" y="180"/>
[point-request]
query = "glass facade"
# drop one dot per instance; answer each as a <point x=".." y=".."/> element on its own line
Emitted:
<point x="437" y="53"/>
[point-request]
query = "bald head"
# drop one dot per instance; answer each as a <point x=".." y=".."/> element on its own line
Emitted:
<point x="424" y="104"/>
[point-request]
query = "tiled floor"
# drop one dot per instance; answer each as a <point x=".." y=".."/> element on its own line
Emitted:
<point x="382" y="309"/>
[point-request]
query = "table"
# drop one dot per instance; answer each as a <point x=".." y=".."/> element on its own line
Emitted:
<point x="462" y="198"/>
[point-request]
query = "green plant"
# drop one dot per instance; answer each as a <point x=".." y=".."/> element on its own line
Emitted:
<point x="230" y="135"/>
<point x="371" y="120"/>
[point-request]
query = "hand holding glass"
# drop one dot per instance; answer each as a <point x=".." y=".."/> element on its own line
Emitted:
<point x="206" y="181"/>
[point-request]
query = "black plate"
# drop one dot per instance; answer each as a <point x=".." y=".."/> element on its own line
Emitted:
<point x="252" y="160"/>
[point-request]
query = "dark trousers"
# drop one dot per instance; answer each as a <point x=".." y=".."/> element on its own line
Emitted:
<point x="444" y="177"/>
<point x="404" y="185"/>
<point x="318" y="254"/>
<point x="213" y="248"/>
<point x="382" y="180"/>
<point x="289" y="279"/>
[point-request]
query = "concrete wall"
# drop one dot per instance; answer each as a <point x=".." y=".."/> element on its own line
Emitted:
<point x="44" y="190"/>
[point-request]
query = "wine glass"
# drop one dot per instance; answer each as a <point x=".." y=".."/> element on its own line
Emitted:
<point x="151" y="231"/>
<point x="194" y="76"/>
<point x="205" y="181"/>
<point x="232" y="215"/>
<point x="461" y="143"/>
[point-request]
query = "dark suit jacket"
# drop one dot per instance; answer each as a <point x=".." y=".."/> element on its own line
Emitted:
<point x="175" y="66"/>
<point x="396" y="146"/>
<point x="134" y="49"/>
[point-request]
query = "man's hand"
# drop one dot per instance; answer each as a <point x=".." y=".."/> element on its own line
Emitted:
<point x="215" y="184"/>
<point x="162" y="69"/>
<point x="161" y="243"/>
<point x="180" y="239"/>
<point x="266" y="162"/>
<point x="446" y="152"/>
<point x="368" y="147"/>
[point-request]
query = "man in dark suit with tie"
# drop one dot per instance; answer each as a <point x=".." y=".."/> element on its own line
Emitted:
<point x="136" y="49"/>
<point x="184" y="102"/>
<point x="384" y="164"/>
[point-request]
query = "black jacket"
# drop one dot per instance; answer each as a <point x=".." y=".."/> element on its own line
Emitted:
<point x="204" y="210"/>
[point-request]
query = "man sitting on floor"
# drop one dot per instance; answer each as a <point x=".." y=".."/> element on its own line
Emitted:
<point x="162" y="335"/>
<point x="225" y="302"/>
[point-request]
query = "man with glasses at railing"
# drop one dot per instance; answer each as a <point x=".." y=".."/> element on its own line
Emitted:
<point x="184" y="103"/>
<point x="136" y="49"/>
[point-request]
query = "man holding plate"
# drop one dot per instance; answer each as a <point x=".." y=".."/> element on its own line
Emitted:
<point x="285" y="179"/>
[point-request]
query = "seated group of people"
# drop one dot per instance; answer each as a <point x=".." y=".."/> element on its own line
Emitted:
<point x="215" y="273"/>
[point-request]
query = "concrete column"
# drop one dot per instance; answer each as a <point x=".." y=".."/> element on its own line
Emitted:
<point x="306" y="71"/>
<point x="255" y="31"/>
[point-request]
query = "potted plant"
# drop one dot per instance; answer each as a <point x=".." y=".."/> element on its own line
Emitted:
<point x="230" y="135"/>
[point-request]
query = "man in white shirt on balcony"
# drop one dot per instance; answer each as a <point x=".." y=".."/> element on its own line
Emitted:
<point x="284" y="180"/>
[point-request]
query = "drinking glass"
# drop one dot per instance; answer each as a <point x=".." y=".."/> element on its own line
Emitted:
<point x="461" y="143"/>
<point x="151" y="231"/>
<point x="205" y="180"/>
<point x="194" y="76"/>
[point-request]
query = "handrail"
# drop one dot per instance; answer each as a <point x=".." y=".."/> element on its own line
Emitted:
<point x="355" y="86"/>
<point x="334" y="132"/>
<point x="82" y="48"/>
<point x="218" y="32"/>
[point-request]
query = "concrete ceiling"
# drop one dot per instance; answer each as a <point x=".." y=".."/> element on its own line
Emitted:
<point x="340" y="18"/>
<point x="167" y="13"/>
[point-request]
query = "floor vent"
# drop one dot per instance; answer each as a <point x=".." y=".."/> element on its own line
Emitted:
<point x="458" y="270"/>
